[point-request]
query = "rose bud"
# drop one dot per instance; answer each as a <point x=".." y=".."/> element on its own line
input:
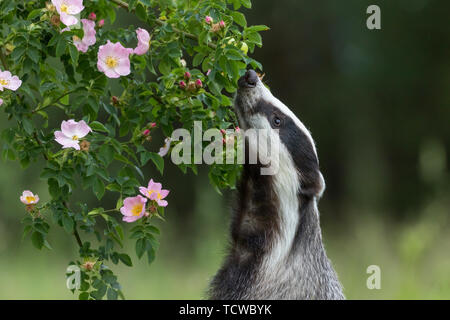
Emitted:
<point x="198" y="83"/>
<point x="208" y="72"/>
<point x="146" y="132"/>
<point x="222" y="131"/>
<point x="182" y="84"/>
<point x="152" y="124"/>
<point x="84" y="145"/>
<point x="183" y="63"/>
<point x="238" y="129"/>
<point x="215" y="27"/>
<point x="208" y="19"/>
<point x="55" y="20"/>
<point x="187" y="75"/>
<point x="92" y="16"/>
<point x="222" y="24"/>
<point x="191" y="86"/>
<point x="114" y="100"/>
<point x="101" y="23"/>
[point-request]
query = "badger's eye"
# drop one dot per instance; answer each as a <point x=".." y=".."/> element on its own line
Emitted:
<point x="276" y="121"/>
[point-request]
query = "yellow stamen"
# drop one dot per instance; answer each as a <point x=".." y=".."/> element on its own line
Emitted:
<point x="30" y="199"/>
<point x="111" y="62"/>
<point x="75" y="138"/>
<point x="158" y="195"/>
<point x="136" y="210"/>
<point x="64" y="8"/>
<point x="4" y="82"/>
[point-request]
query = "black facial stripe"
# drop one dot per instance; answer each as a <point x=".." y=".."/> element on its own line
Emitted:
<point x="298" y="145"/>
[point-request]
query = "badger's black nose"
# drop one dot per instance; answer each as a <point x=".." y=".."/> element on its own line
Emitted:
<point x="248" y="80"/>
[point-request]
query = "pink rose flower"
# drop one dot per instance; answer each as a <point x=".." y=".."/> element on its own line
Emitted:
<point x="71" y="133"/>
<point x="8" y="81"/>
<point x="165" y="149"/>
<point x="88" y="38"/>
<point x="67" y="10"/>
<point x="154" y="192"/>
<point x="143" y="41"/>
<point x="114" y="59"/>
<point x="133" y="208"/>
<point x="29" y="198"/>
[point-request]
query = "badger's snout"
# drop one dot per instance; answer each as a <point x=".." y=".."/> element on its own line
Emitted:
<point x="248" y="80"/>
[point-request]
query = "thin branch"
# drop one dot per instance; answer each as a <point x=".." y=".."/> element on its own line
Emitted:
<point x="54" y="101"/>
<point x="75" y="231"/>
<point x="162" y="23"/>
<point x="3" y="59"/>
<point x="77" y="236"/>
<point x="40" y="144"/>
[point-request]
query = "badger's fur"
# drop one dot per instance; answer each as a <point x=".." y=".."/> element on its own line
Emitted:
<point x="276" y="243"/>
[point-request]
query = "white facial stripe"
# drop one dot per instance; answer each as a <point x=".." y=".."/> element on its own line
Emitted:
<point x="267" y="96"/>
<point x="286" y="187"/>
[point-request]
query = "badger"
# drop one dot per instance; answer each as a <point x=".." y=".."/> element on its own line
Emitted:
<point x="276" y="249"/>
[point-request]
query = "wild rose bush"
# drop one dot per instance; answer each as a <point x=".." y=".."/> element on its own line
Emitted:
<point x="114" y="87"/>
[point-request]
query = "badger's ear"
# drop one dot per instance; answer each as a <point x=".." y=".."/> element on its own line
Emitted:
<point x="312" y="184"/>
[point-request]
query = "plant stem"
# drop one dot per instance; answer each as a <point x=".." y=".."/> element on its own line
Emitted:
<point x="77" y="236"/>
<point x="53" y="102"/>
<point x="2" y="58"/>
<point x="75" y="231"/>
<point x="124" y="5"/>
<point x="39" y="143"/>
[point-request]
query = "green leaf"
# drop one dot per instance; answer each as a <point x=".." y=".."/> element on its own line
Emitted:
<point x="33" y="54"/>
<point x="100" y="292"/>
<point x="111" y="294"/>
<point x="33" y="14"/>
<point x="125" y="259"/>
<point x="198" y="59"/>
<point x="140" y="247"/>
<point x="61" y="46"/>
<point x="83" y="296"/>
<point x="151" y="255"/>
<point x="98" y="188"/>
<point x="106" y="154"/>
<point x="64" y="100"/>
<point x="67" y="223"/>
<point x="239" y="18"/>
<point x="246" y="3"/>
<point x="157" y="160"/>
<point x="255" y="38"/>
<point x="97" y="126"/>
<point x="37" y="239"/>
<point x="73" y="54"/>
<point x="257" y="28"/>
<point x="141" y="12"/>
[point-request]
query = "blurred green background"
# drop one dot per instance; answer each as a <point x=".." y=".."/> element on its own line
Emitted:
<point x="378" y="105"/>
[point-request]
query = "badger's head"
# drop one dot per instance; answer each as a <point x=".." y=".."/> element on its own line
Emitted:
<point x="257" y="108"/>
